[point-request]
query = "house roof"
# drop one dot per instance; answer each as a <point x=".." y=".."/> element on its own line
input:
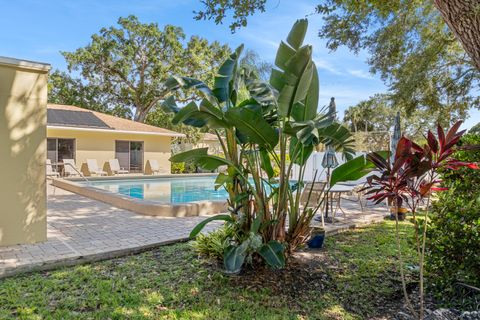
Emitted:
<point x="71" y="117"/>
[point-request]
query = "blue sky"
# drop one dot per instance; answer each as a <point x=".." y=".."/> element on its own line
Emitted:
<point x="39" y="29"/>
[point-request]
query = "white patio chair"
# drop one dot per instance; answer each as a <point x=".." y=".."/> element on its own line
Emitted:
<point x="93" y="168"/>
<point x="51" y="173"/>
<point x="153" y="167"/>
<point x="115" y="167"/>
<point x="69" y="168"/>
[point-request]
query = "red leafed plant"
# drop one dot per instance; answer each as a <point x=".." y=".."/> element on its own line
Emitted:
<point x="409" y="179"/>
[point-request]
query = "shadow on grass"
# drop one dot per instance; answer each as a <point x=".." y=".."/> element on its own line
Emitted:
<point x="347" y="280"/>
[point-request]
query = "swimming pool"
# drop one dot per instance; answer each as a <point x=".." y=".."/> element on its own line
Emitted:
<point x="165" y="190"/>
<point x="166" y="195"/>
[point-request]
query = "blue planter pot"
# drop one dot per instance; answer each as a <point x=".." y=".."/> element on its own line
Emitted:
<point x="316" y="240"/>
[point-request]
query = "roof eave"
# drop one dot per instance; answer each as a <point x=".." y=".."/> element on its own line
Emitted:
<point x="165" y="134"/>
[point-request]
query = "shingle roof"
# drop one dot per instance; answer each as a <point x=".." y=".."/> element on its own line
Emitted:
<point x="59" y="115"/>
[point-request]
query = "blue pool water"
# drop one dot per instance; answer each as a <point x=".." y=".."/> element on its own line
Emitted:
<point x="173" y="190"/>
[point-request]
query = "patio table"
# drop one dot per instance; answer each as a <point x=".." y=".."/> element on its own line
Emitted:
<point x="335" y="195"/>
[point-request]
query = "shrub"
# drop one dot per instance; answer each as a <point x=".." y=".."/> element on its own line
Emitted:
<point x="454" y="235"/>
<point x="213" y="244"/>
<point x="183" y="167"/>
<point x="178" y="167"/>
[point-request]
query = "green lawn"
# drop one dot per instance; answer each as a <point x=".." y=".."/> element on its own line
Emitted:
<point x="353" y="278"/>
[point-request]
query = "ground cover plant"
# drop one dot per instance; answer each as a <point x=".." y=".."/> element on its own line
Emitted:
<point x="355" y="277"/>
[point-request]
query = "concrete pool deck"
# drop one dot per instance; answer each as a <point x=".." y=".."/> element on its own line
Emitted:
<point x="82" y="230"/>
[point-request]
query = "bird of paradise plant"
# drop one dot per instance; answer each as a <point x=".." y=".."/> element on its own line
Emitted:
<point x="278" y="121"/>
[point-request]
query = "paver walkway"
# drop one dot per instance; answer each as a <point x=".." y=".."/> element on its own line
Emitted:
<point x="81" y="229"/>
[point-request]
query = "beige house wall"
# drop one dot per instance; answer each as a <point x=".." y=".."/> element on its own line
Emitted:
<point x="100" y="145"/>
<point x="23" y="99"/>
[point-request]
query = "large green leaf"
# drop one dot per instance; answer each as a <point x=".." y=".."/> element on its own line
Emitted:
<point x="189" y="155"/>
<point x="185" y="112"/>
<point x="266" y="163"/>
<point x="195" y="231"/>
<point x="176" y="82"/>
<point x="223" y="81"/>
<point x="285" y="100"/>
<point x="304" y="84"/>
<point x="201" y="158"/>
<point x="297" y="33"/>
<point x="299" y="153"/>
<point x="284" y="54"/>
<point x="169" y="105"/>
<point x="339" y="137"/>
<point x="250" y="122"/>
<point x="298" y="72"/>
<point x="351" y="170"/>
<point x="234" y="257"/>
<point x="273" y="254"/>
<point x="311" y="101"/>
<point x="263" y="93"/>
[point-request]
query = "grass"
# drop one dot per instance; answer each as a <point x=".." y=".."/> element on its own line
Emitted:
<point x="353" y="278"/>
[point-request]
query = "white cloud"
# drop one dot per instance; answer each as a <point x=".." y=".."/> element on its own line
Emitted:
<point x="360" y="74"/>
<point x="325" y="65"/>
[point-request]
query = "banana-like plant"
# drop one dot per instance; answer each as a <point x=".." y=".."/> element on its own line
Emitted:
<point x="279" y="121"/>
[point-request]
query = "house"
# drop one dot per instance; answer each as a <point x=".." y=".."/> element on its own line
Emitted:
<point x="211" y="142"/>
<point x="23" y="97"/>
<point x="81" y="134"/>
<point x="208" y="140"/>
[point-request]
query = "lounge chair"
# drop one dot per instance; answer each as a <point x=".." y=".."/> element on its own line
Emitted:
<point x="115" y="167"/>
<point x="69" y="168"/>
<point x="92" y="166"/>
<point x="51" y="173"/>
<point x="152" y="167"/>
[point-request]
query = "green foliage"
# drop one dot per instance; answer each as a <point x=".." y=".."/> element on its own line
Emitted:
<point x="63" y="89"/>
<point x="475" y="129"/>
<point x="129" y="64"/>
<point x="409" y="44"/>
<point x="454" y="234"/>
<point x="277" y="121"/>
<point x="183" y="167"/>
<point x="159" y="118"/>
<point x="215" y="243"/>
<point x="216" y="10"/>
<point x="272" y="252"/>
<point x="177" y="167"/>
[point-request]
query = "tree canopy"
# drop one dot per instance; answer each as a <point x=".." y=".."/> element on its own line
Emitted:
<point x="409" y="44"/>
<point x="129" y="64"/>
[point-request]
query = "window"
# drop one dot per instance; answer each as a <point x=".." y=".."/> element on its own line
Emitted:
<point x="59" y="149"/>
<point x="130" y="155"/>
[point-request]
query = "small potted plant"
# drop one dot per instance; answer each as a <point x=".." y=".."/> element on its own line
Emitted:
<point x="317" y="237"/>
<point x="401" y="212"/>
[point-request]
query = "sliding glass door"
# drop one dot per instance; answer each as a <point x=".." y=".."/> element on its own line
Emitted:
<point x="59" y="149"/>
<point x="130" y="155"/>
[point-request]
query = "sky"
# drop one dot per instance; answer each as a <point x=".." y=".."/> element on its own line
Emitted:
<point x="39" y="29"/>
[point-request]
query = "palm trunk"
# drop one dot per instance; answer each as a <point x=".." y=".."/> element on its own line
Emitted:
<point x="463" y="18"/>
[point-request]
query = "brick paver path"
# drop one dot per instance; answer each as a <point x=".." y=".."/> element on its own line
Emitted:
<point x="81" y="229"/>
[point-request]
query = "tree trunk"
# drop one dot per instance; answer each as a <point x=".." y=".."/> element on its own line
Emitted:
<point x="463" y="18"/>
<point x="140" y="114"/>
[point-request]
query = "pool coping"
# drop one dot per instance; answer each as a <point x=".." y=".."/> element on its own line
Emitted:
<point x="144" y="207"/>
